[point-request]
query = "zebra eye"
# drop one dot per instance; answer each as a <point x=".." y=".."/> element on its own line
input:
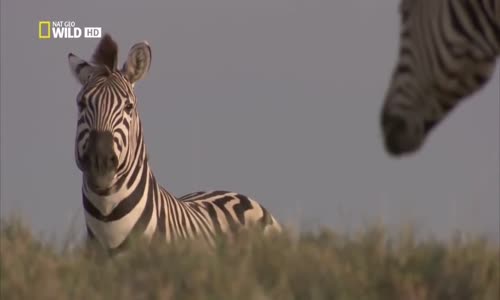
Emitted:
<point x="128" y="107"/>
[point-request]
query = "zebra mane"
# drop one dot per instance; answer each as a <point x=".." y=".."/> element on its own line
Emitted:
<point x="106" y="54"/>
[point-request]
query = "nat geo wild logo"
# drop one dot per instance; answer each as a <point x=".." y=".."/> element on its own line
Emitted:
<point x="66" y="30"/>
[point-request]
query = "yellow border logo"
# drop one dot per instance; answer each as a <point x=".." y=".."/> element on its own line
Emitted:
<point x="40" y="31"/>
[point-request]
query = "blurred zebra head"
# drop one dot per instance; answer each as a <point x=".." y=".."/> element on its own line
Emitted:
<point x="447" y="51"/>
<point x="108" y="127"/>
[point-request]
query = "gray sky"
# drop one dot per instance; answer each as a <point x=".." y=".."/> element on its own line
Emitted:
<point x="276" y="99"/>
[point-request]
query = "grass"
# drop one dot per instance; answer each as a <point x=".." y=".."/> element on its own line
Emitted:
<point x="324" y="265"/>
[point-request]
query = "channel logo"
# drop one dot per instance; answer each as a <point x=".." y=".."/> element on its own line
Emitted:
<point x="66" y="30"/>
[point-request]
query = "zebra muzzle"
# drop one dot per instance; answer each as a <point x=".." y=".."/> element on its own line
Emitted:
<point x="401" y="135"/>
<point x="100" y="160"/>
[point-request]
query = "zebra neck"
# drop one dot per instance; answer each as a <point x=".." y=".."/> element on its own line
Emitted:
<point x="130" y="205"/>
<point x="113" y="217"/>
<point x="115" y="202"/>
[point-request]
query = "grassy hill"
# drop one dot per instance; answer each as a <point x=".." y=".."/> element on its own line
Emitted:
<point x="324" y="265"/>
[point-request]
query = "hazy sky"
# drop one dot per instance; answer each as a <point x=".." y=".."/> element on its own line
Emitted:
<point x="276" y="99"/>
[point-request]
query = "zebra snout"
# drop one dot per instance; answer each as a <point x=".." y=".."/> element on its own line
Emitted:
<point x="400" y="136"/>
<point x="100" y="158"/>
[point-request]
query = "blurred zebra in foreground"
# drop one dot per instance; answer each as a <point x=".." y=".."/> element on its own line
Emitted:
<point x="120" y="192"/>
<point x="448" y="51"/>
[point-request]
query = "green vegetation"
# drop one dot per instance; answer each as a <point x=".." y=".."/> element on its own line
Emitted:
<point x="323" y="265"/>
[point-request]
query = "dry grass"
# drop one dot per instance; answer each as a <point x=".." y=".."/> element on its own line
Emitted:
<point x="325" y="265"/>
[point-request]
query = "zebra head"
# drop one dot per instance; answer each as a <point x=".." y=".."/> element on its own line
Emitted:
<point x="447" y="51"/>
<point x="405" y="121"/>
<point x="108" y="127"/>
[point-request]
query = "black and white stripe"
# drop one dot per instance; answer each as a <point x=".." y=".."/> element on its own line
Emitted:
<point x="120" y="192"/>
<point x="448" y="51"/>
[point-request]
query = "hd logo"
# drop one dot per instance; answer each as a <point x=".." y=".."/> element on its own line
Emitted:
<point x="66" y="30"/>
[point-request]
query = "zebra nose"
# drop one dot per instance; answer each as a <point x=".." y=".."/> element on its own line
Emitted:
<point x="402" y="135"/>
<point x="100" y="156"/>
<point x="395" y="129"/>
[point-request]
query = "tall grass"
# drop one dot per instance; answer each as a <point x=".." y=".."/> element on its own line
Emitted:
<point x="324" y="265"/>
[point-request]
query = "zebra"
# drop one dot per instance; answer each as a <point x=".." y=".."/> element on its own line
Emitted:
<point x="120" y="193"/>
<point x="448" y="50"/>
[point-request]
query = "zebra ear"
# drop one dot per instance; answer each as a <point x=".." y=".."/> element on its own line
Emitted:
<point x="81" y="69"/>
<point x="138" y="62"/>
